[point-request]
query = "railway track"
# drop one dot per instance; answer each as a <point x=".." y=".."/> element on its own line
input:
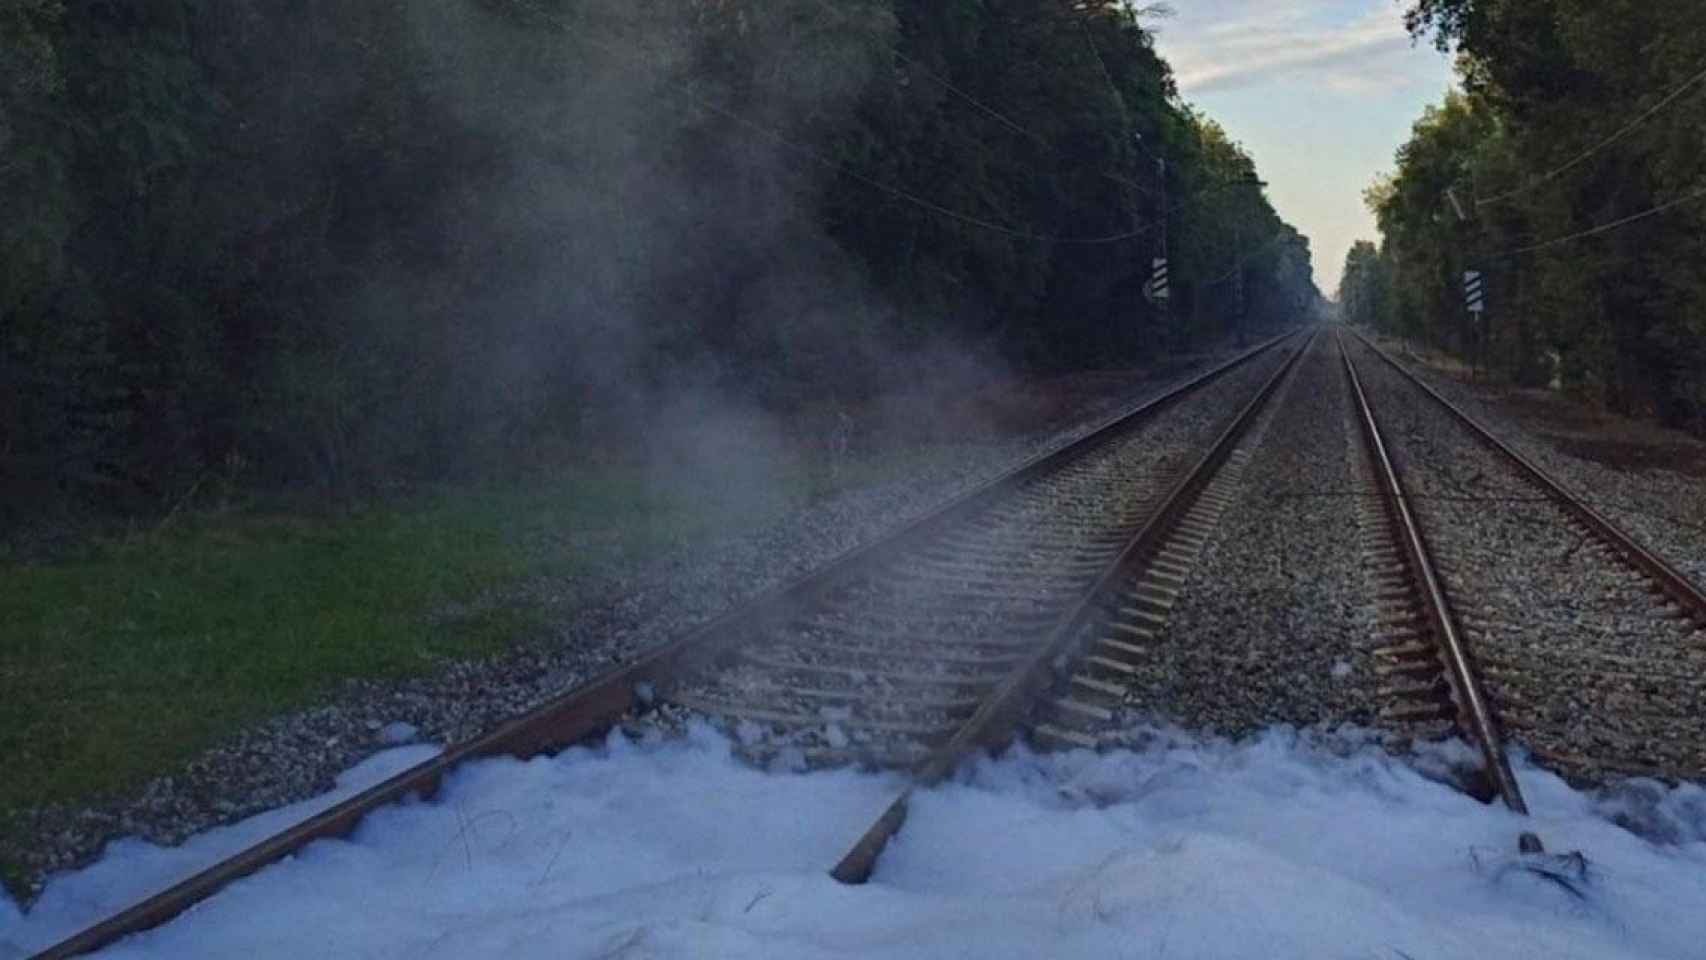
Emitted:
<point x="1428" y="673"/>
<point x="1431" y="618"/>
<point x="1011" y="708"/>
<point x="1129" y="621"/>
<point x="890" y="664"/>
<point x="1550" y="623"/>
<point x="1034" y="607"/>
<point x="887" y="655"/>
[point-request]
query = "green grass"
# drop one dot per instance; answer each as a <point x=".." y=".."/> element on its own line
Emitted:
<point x="127" y="660"/>
<point x="124" y="661"/>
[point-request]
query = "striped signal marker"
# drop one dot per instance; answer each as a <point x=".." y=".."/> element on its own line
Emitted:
<point x="1473" y="293"/>
<point x="1158" y="279"/>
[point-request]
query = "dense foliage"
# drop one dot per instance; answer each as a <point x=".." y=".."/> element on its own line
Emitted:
<point x="1580" y="122"/>
<point x="328" y="244"/>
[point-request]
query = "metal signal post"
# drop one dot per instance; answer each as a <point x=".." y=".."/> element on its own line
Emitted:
<point x="1475" y="301"/>
<point x="1156" y="289"/>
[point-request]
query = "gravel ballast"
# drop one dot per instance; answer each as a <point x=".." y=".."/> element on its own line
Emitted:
<point x="1649" y="481"/>
<point x="1272" y="625"/>
<point x="1580" y="658"/>
<point x="1020" y="565"/>
<point x="634" y="605"/>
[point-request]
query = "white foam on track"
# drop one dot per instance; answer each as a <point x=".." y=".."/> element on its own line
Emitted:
<point x="1275" y="847"/>
<point x="130" y="869"/>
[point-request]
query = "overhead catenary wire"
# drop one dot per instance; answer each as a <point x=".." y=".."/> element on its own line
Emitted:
<point x="993" y="113"/>
<point x="1608" y="141"/>
<point x="934" y="207"/>
<point x="1125" y="113"/>
<point x="1250" y="255"/>
<point x="899" y="193"/>
<point x="997" y="115"/>
<point x="948" y="85"/>
<point x="1602" y="228"/>
<point x="830" y="163"/>
<point x="1107" y="78"/>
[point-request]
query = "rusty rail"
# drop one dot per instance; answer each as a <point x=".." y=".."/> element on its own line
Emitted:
<point x="595" y="706"/>
<point x="1673" y="582"/>
<point x="1000" y="714"/>
<point x="1475" y="712"/>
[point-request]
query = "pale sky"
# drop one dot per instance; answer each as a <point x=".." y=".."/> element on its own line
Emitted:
<point x="1320" y="93"/>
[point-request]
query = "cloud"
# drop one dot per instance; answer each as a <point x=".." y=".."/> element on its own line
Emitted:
<point x="1350" y="48"/>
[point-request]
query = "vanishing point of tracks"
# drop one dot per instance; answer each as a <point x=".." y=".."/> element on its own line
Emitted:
<point x="1026" y="607"/>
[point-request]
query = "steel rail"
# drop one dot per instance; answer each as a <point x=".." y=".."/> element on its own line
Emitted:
<point x="992" y="726"/>
<point x="1474" y="710"/>
<point x="1672" y="581"/>
<point x="595" y="706"/>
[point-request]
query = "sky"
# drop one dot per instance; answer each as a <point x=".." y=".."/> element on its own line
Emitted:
<point x="1319" y="92"/>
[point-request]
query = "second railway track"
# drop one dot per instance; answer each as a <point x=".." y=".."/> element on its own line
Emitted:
<point x="1592" y="649"/>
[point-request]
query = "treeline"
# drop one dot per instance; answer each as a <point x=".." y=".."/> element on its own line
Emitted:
<point x="1576" y="153"/>
<point x="328" y="245"/>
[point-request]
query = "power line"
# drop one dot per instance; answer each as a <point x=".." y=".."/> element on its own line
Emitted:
<point x="934" y="207"/>
<point x="1125" y="113"/>
<point x="837" y="167"/>
<point x="900" y="193"/>
<point x="1019" y="128"/>
<point x="1578" y="158"/>
<point x="1604" y="227"/>
<point x="949" y="86"/>
<point x="995" y="114"/>
<point x="840" y="168"/>
<point x="1005" y="120"/>
<point x="1108" y="78"/>
<point x="1246" y="258"/>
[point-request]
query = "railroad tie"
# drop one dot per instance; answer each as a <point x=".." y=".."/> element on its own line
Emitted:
<point x="1136" y="615"/>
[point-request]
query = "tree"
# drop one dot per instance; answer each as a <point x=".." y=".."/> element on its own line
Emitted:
<point x="350" y="244"/>
<point x="1614" y="314"/>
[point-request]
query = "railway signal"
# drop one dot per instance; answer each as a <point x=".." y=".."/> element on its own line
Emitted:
<point x="1475" y="299"/>
<point x="1156" y="289"/>
<point x="1473" y="294"/>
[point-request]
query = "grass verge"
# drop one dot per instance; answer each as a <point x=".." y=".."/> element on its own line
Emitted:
<point x="125" y="660"/>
